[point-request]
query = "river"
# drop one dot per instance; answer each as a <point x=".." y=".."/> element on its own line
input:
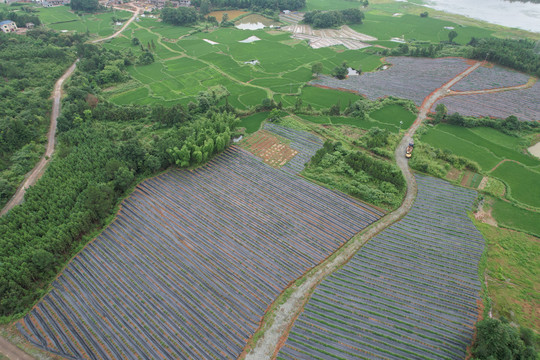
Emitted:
<point x="519" y="15"/>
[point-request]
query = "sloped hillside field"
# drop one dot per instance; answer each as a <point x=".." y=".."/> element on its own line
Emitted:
<point x="409" y="78"/>
<point x="192" y="262"/>
<point x="410" y="293"/>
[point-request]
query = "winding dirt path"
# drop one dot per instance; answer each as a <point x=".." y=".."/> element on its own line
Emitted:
<point x="33" y="176"/>
<point x="6" y="348"/>
<point x="277" y="325"/>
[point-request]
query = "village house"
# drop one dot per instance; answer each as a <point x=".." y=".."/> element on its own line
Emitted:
<point x="8" y="26"/>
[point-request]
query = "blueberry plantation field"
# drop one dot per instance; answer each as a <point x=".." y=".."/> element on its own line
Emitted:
<point x="192" y="262"/>
<point x="411" y="292"/>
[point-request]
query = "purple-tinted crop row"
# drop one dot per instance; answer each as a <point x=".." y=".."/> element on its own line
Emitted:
<point x="489" y="78"/>
<point x="525" y="104"/>
<point x="409" y="78"/>
<point x="411" y="292"/>
<point x="192" y="262"/>
<point x="305" y="143"/>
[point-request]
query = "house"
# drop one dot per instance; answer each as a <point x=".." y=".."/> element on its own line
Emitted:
<point x="50" y="3"/>
<point x="185" y="3"/>
<point x="29" y="25"/>
<point x="8" y="26"/>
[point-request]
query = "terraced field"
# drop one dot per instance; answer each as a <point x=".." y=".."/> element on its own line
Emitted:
<point x="191" y="263"/>
<point x="409" y="78"/>
<point x="411" y="292"/>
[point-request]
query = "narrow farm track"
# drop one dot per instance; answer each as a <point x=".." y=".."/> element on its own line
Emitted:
<point x="33" y="176"/>
<point x="285" y="315"/>
<point x="7" y="348"/>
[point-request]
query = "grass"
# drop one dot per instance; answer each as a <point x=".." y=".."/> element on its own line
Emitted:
<point x="513" y="217"/>
<point x="414" y="27"/>
<point x="513" y="274"/>
<point x="523" y="182"/>
<point x="185" y="67"/>
<point x="393" y="114"/>
<point x="62" y="18"/>
<point x="252" y="123"/>
<point x="489" y="147"/>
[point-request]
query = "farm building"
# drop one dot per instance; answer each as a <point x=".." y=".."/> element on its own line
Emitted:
<point x="51" y="3"/>
<point x="8" y="26"/>
<point x="30" y="25"/>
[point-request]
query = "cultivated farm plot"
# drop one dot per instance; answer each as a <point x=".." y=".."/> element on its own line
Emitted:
<point x="306" y="144"/>
<point x="409" y="78"/>
<point x="411" y="292"/>
<point x="490" y="78"/>
<point x="268" y="147"/>
<point x="525" y="104"/>
<point x="191" y="263"/>
<point x="329" y="37"/>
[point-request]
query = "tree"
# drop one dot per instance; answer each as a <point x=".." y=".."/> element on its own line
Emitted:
<point x="498" y="340"/>
<point x="341" y="72"/>
<point x="146" y="58"/>
<point x="317" y="68"/>
<point x="84" y="5"/>
<point x="204" y="7"/>
<point x="98" y="199"/>
<point x="452" y="35"/>
<point x="275" y="115"/>
<point x="425" y="14"/>
<point x="135" y="41"/>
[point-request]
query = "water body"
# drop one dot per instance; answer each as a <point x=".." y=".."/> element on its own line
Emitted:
<point x="519" y="15"/>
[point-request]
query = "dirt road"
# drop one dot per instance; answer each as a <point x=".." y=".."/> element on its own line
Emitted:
<point x="135" y="14"/>
<point x="276" y="333"/>
<point x="12" y="352"/>
<point x="6" y="348"/>
<point x="33" y="176"/>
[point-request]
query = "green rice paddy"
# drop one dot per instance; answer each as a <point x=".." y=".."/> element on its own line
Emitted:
<point x="508" y="215"/>
<point x="62" y="18"/>
<point x="489" y="147"/>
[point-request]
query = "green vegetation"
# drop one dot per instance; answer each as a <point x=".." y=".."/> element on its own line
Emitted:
<point x="184" y="68"/>
<point x="253" y="122"/>
<point x="488" y="148"/>
<point x="496" y="339"/>
<point x="103" y="149"/>
<point x="523" y="182"/>
<point x="510" y="216"/>
<point x="394" y="114"/>
<point x="512" y="274"/>
<point x="30" y="65"/>
<point x="84" y="5"/>
<point x="101" y="24"/>
<point x="333" y="18"/>
<point x="415" y="28"/>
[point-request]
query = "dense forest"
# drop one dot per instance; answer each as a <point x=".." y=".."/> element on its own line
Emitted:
<point x="29" y="67"/>
<point x="517" y="54"/>
<point x="182" y="16"/>
<point x="254" y="4"/>
<point x="328" y="19"/>
<point x="103" y="150"/>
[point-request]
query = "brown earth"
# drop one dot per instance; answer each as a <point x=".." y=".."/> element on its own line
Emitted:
<point x="268" y="147"/>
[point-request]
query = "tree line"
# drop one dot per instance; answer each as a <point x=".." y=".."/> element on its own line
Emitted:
<point x="328" y="19"/>
<point x="103" y="150"/>
<point x="29" y="67"/>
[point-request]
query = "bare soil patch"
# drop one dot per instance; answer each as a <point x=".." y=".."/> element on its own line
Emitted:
<point x="483" y="183"/>
<point x="269" y="148"/>
<point x="233" y="14"/>
<point x="453" y="174"/>
<point x="535" y="150"/>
